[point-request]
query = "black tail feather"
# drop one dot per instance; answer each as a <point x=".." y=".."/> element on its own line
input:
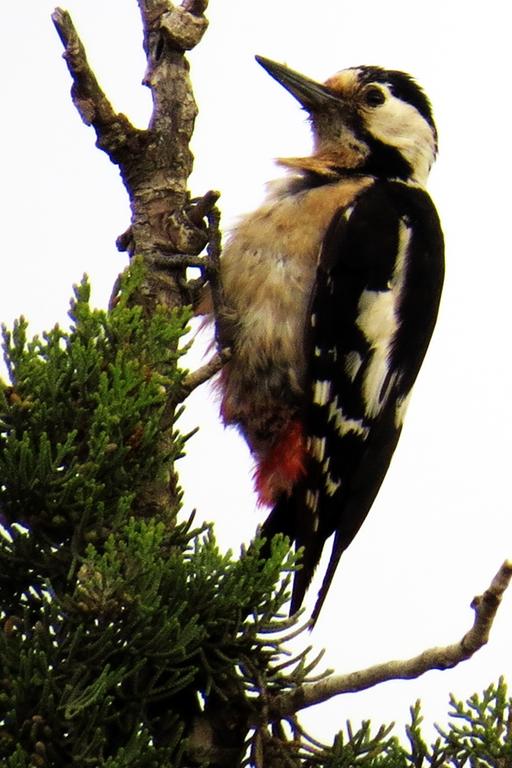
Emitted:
<point x="310" y="558"/>
<point x="338" y="547"/>
<point x="287" y="517"/>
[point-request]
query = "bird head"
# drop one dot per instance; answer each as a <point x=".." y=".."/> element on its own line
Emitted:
<point x="365" y="120"/>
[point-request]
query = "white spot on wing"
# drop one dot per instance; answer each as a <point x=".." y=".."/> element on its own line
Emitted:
<point x="343" y="424"/>
<point x="378" y="322"/>
<point x="353" y="362"/>
<point x="316" y="446"/>
<point x="404" y="238"/>
<point x="311" y="499"/>
<point x="401" y="408"/>
<point x="321" y="392"/>
<point x="312" y="504"/>
<point x="331" y="485"/>
<point x="347" y="213"/>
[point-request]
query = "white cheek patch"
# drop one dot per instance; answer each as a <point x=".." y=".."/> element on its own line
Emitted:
<point x="398" y="124"/>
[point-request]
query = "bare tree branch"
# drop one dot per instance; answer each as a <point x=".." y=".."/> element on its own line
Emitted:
<point x="155" y="165"/>
<point x="185" y="24"/>
<point x="485" y="607"/>
<point x="114" y="131"/>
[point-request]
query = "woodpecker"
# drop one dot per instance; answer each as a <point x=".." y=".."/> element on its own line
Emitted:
<point x="331" y="291"/>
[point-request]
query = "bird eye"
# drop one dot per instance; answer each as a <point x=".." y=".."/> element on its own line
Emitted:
<point x="374" y="97"/>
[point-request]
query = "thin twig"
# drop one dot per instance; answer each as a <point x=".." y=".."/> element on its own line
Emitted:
<point x="485" y="607"/>
<point x="214" y="249"/>
<point x="203" y="374"/>
<point x="201" y="206"/>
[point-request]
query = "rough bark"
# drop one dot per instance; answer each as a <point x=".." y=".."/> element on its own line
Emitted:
<point x="155" y="164"/>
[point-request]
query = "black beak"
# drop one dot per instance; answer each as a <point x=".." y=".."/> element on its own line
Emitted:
<point x="311" y="95"/>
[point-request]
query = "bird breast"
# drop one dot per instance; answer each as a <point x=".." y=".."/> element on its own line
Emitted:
<point x="268" y="273"/>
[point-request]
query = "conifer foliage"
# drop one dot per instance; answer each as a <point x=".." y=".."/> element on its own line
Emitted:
<point x="117" y="627"/>
<point x="124" y="633"/>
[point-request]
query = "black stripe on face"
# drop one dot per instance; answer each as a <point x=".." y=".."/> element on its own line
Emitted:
<point x="385" y="162"/>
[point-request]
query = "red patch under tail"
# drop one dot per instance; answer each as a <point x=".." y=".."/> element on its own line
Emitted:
<point x="280" y="469"/>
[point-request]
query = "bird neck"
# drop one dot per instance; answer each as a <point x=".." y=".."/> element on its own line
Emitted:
<point x="327" y="165"/>
<point x="382" y="162"/>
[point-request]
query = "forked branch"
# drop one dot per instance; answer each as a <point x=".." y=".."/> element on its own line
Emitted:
<point x="113" y="130"/>
<point x="166" y="228"/>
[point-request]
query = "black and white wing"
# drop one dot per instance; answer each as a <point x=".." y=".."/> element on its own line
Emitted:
<point x="373" y="311"/>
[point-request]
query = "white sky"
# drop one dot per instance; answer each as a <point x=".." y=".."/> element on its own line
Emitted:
<point x="441" y="525"/>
